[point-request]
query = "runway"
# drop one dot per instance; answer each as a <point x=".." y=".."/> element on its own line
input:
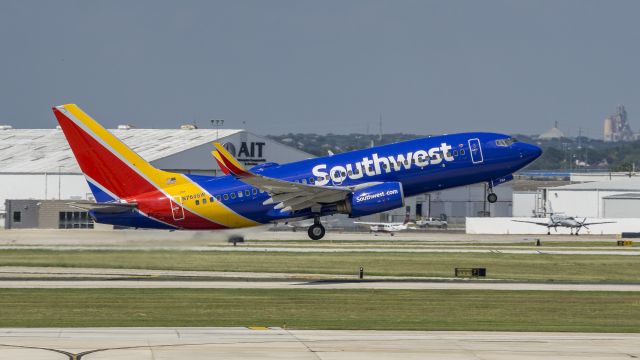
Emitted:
<point x="277" y="343"/>
<point x="162" y="238"/>
<point x="311" y="285"/>
<point x="370" y="249"/>
<point x="21" y="277"/>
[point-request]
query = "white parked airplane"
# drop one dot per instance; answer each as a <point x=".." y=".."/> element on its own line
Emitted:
<point x="561" y="220"/>
<point x="389" y="228"/>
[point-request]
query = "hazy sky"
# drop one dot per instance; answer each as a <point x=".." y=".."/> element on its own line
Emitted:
<point x="323" y="66"/>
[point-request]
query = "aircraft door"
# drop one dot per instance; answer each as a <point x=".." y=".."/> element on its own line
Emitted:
<point x="476" y="151"/>
<point x="177" y="211"/>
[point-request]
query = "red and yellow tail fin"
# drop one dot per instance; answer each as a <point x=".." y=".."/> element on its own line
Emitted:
<point x="109" y="164"/>
<point x="221" y="164"/>
<point x="230" y="163"/>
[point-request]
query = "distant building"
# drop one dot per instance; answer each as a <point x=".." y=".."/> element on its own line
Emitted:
<point x="616" y="127"/>
<point x="553" y="133"/>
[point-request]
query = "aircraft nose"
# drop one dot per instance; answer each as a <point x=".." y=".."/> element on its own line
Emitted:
<point x="529" y="151"/>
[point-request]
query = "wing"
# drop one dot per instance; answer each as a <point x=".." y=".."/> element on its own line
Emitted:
<point x="596" y="223"/>
<point x="376" y="223"/>
<point x="286" y="195"/>
<point x="533" y="222"/>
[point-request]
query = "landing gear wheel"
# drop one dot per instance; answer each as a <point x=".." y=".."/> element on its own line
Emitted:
<point x="492" y="198"/>
<point x="316" y="231"/>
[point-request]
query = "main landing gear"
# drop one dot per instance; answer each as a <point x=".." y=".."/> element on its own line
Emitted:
<point x="316" y="231"/>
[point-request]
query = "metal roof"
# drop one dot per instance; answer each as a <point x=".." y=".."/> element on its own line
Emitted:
<point x="632" y="184"/>
<point x="47" y="150"/>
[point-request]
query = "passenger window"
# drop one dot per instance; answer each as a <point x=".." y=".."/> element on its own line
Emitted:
<point x="455" y="152"/>
<point x="344" y="174"/>
<point x="247" y="192"/>
<point x="350" y="172"/>
<point x="204" y="201"/>
<point x="255" y="191"/>
<point x="312" y="181"/>
<point x="233" y="195"/>
<point x="239" y="194"/>
<point x="461" y="151"/>
<point x="211" y="199"/>
<point x="303" y="181"/>
<point x="226" y="196"/>
<point x="218" y="198"/>
<point x="197" y="202"/>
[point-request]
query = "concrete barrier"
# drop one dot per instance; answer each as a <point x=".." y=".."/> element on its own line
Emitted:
<point x="506" y="225"/>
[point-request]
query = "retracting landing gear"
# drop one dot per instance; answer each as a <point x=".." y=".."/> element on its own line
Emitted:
<point x="316" y="231"/>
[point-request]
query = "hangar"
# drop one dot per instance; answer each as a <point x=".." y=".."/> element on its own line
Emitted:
<point x="38" y="163"/>
<point x="599" y="199"/>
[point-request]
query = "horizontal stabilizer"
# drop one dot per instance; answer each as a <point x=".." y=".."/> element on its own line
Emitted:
<point x="106" y="208"/>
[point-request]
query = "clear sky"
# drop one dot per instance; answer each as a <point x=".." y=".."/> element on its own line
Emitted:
<point x="323" y="66"/>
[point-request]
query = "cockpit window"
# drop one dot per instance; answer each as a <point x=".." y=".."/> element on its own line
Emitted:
<point x="505" y="142"/>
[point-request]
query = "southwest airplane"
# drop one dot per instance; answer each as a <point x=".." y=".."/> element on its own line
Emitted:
<point x="130" y="192"/>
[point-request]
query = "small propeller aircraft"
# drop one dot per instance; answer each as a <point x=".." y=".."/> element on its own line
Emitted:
<point x="561" y="220"/>
<point x="387" y="228"/>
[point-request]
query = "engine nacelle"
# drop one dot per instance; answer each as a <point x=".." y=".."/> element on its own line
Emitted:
<point x="373" y="199"/>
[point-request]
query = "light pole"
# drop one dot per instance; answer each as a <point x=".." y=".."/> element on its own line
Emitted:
<point x="217" y="123"/>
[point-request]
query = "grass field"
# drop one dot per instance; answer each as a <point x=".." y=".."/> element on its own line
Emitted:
<point x="539" y="267"/>
<point x="324" y="309"/>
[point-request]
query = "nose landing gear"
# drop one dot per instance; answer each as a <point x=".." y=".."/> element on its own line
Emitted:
<point x="492" y="197"/>
<point x="316" y="231"/>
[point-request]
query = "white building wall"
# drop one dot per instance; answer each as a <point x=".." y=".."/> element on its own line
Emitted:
<point x="43" y="186"/>
<point x="580" y="203"/>
<point x="574" y="203"/>
<point x="524" y="203"/>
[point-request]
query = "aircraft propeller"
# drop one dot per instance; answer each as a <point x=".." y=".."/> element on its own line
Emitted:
<point x="582" y="225"/>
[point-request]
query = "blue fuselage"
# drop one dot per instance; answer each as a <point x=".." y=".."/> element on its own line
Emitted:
<point x="421" y="165"/>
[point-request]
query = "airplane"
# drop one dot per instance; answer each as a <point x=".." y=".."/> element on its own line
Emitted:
<point x="561" y="220"/>
<point x="131" y="192"/>
<point x="388" y="228"/>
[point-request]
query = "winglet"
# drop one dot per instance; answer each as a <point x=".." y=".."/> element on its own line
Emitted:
<point x="230" y="162"/>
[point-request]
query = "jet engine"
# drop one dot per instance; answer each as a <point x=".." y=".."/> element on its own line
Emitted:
<point x="373" y="199"/>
